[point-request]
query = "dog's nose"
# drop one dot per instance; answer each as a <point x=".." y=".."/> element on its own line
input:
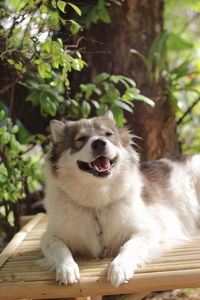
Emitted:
<point x="98" y="145"/>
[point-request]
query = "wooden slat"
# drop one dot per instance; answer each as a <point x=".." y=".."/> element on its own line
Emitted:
<point x="22" y="277"/>
<point x="25" y="219"/>
<point x="18" y="238"/>
<point x="97" y="286"/>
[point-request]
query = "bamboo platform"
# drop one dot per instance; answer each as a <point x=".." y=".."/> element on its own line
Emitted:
<point x="22" y="277"/>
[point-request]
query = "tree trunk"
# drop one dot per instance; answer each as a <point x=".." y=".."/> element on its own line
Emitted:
<point x="134" y="25"/>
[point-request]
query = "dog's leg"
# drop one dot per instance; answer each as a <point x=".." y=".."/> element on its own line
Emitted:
<point x="60" y="258"/>
<point x="133" y="253"/>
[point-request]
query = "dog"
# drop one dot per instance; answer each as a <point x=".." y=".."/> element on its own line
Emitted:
<point x="101" y="201"/>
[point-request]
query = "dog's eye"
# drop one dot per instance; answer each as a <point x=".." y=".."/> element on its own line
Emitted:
<point x="109" y="133"/>
<point x="81" y="139"/>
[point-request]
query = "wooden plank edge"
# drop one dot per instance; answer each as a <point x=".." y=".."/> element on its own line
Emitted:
<point x="25" y="219"/>
<point x="18" y="238"/>
<point x="99" y="286"/>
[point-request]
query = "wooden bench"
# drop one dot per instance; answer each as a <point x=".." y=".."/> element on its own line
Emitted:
<point x="21" y="276"/>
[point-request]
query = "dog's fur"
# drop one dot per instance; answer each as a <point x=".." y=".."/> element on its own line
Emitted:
<point x="129" y="209"/>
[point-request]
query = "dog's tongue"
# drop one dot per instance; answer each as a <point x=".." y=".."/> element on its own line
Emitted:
<point x="101" y="164"/>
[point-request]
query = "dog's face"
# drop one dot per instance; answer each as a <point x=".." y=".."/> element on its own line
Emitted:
<point x="94" y="146"/>
<point x="88" y="155"/>
<point x="90" y="158"/>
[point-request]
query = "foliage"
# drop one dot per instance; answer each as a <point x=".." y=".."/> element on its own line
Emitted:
<point x="39" y="59"/>
<point x="183" y="80"/>
<point x="94" y="14"/>
<point x="101" y="95"/>
<point x="19" y="172"/>
<point x="174" y="60"/>
<point x="109" y="97"/>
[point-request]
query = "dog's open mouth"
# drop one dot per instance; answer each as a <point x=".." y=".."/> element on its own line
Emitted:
<point x="101" y="166"/>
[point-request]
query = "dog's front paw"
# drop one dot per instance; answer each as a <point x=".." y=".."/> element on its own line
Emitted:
<point x="120" y="271"/>
<point x="67" y="273"/>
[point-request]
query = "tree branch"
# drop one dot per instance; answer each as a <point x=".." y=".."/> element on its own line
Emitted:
<point x="188" y="111"/>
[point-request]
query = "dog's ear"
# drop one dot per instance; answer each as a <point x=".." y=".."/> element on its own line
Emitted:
<point x="57" y="130"/>
<point x="108" y="114"/>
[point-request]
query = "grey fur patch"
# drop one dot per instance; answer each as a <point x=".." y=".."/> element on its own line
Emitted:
<point x="55" y="154"/>
<point x="181" y="158"/>
<point x="156" y="175"/>
<point x="158" y="170"/>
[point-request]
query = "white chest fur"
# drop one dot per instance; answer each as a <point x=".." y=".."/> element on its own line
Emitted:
<point x="90" y="231"/>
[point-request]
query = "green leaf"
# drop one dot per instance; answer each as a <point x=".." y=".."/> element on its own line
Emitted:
<point x="118" y="115"/>
<point x="88" y="89"/>
<point x="144" y="99"/>
<point x="11" y="153"/>
<point x="44" y="9"/>
<point x="61" y="5"/>
<point x="38" y="61"/>
<point x="104" y="16"/>
<point x="45" y="70"/>
<point x="130" y="93"/>
<point x="11" y="61"/>
<point x="67" y="83"/>
<point x="76" y="8"/>
<point x="53" y="3"/>
<point x="75" y="27"/>
<point x="3" y="173"/>
<point x="101" y="77"/>
<point x="96" y="104"/>
<point x="5" y="138"/>
<point x="115" y="78"/>
<point x="183" y="69"/>
<point x="15" y="145"/>
<point x="33" y="97"/>
<point x="76" y="64"/>
<point x="173" y="101"/>
<point x="158" y="47"/>
<point x="85" y="109"/>
<point x="2" y="115"/>
<point x="18" y="66"/>
<point x="130" y="81"/>
<point x="111" y="93"/>
<point x="17" y="5"/>
<point x="48" y="107"/>
<point x="102" y="109"/>
<point x="8" y="121"/>
<point x="176" y="43"/>
<point x="124" y="106"/>
<point x="15" y="129"/>
<point x="103" y="13"/>
<point x="47" y="45"/>
<point x="3" y="129"/>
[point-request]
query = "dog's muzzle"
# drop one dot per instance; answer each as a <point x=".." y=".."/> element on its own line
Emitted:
<point x="101" y="166"/>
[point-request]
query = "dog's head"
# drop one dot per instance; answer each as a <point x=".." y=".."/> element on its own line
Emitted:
<point x="89" y="151"/>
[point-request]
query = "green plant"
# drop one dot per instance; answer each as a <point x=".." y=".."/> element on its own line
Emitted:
<point x="108" y="92"/>
<point x="20" y="173"/>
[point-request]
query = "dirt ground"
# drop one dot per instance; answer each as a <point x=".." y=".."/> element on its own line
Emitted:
<point x="186" y="294"/>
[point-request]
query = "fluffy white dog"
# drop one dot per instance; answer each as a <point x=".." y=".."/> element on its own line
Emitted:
<point x="101" y="201"/>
